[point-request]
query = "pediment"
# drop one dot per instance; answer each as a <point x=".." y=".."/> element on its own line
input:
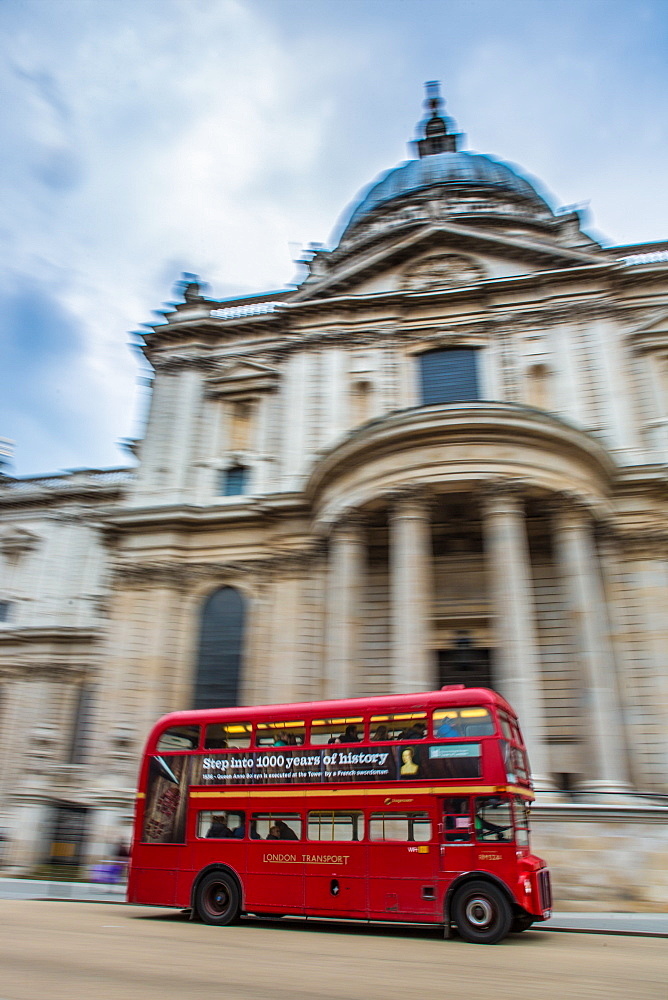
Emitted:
<point x="237" y="377"/>
<point x="16" y="541"/>
<point x="653" y="331"/>
<point x="431" y="258"/>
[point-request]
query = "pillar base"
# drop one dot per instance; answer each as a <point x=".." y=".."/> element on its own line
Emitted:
<point x="603" y="792"/>
<point x="546" y="790"/>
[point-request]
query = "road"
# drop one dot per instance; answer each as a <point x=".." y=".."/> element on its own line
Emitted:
<point x="105" y="951"/>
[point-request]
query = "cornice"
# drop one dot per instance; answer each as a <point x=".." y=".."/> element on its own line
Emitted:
<point x="642" y="481"/>
<point x="50" y="633"/>
<point x="26" y="669"/>
<point x="185" y="576"/>
<point x="185" y="516"/>
<point x="651" y="542"/>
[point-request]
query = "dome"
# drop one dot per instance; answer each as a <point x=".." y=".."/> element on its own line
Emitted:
<point x="458" y="169"/>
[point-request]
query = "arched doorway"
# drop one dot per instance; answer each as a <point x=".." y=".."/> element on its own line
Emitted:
<point x="220" y="653"/>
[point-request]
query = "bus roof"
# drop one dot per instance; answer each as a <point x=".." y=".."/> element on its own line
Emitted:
<point x="454" y="695"/>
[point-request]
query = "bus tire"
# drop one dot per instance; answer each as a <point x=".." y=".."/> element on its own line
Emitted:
<point x="217" y="899"/>
<point x="481" y="913"/>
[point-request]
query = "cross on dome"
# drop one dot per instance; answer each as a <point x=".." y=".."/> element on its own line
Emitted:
<point x="438" y="135"/>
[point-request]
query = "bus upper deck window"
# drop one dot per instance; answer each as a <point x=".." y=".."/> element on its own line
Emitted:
<point x="224" y="735"/>
<point x="401" y="726"/>
<point x="340" y="730"/>
<point x="280" y="734"/>
<point x="179" y="738"/>
<point x="455" y="723"/>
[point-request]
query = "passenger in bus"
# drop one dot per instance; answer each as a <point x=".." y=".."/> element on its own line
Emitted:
<point x="219" y="827"/>
<point x="417" y="731"/>
<point x="274" y="833"/>
<point x="381" y="733"/>
<point x="282" y="738"/>
<point x="350" y="736"/>
<point x="447" y="728"/>
<point x="285" y="832"/>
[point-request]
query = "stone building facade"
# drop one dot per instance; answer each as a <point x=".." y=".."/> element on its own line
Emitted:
<point x="442" y="458"/>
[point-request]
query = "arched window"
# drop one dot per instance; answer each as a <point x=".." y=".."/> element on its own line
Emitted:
<point x="220" y="654"/>
<point x="449" y="375"/>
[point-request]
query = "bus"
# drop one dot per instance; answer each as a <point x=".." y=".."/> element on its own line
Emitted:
<point x="409" y="807"/>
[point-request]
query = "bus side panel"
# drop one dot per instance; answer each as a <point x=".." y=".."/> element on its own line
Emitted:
<point x="154" y="873"/>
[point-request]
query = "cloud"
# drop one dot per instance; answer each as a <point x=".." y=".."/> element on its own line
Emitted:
<point x="142" y="138"/>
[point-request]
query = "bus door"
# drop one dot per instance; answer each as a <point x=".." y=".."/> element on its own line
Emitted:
<point x="494" y="835"/>
<point x="477" y="835"/>
<point x="458" y="851"/>
<point x="216" y="835"/>
<point x="274" y="881"/>
<point x="403" y="864"/>
<point x="335" y="861"/>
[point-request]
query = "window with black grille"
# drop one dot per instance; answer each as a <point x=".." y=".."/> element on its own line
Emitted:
<point x="449" y="376"/>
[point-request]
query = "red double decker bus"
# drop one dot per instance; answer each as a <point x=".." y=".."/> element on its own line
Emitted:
<point x="408" y="808"/>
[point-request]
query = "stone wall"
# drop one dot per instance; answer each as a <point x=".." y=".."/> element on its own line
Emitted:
<point x="604" y="857"/>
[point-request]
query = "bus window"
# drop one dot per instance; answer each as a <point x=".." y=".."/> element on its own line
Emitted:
<point x="506" y="728"/>
<point x="280" y="734"/>
<point x="456" y="819"/>
<point x="334" y="824"/>
<point x="346" y="730"/>
<point x="516" y="763"/>
<point x="221" y="825"/>
<point x="510" y="728"/>
<point x="456" y="723"/>
<point x="521" y="822"/>
<point x="405" y="726"/>
<point x="408" y="826"/>
<point x="179" y="738"/>
<point x="235" y="735"/>
<point x="276" y="826"/>
<point x="493" y="819"/>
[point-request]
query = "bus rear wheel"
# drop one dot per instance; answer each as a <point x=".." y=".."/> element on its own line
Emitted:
<point x="217" y="899"/>
<point x="482" y="913"/>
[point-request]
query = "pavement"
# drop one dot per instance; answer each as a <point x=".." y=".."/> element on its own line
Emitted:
<point x="639" y="924"/>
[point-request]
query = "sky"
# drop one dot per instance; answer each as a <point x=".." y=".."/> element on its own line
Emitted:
<point x="143" y="139"/>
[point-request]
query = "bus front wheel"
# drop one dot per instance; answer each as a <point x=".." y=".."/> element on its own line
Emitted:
<point x="217" y="899"/>
<point x="482" y="913"/>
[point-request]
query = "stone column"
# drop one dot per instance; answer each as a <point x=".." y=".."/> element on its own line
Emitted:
<point x="286" y="628"/>
<point x="347" y="555"/>
<point x="580" y="570"/>
<point x="411" y="571"/>
<point x="184" y="443"/>
<point x="517" y="661"/>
